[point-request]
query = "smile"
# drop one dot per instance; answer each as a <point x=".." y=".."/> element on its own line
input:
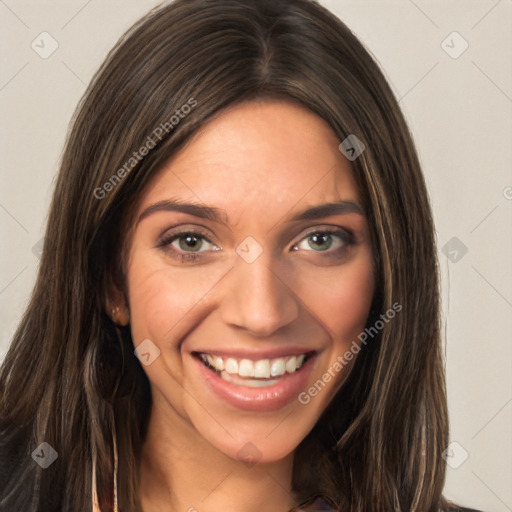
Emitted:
<point x="242" y="371"/>
<point x="263" y="384"/>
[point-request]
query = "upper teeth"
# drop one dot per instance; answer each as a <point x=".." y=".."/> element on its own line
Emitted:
<point x="263" y="368"/>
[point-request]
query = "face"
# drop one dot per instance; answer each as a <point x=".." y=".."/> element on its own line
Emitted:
<point x="245" y="290"/>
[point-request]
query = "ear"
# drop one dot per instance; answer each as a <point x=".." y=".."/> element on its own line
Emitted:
<point x="116" y="304"/>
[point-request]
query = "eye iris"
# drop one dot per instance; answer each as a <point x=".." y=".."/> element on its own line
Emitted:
<point x="190" y="241"/>
<point x="319" y="239"/>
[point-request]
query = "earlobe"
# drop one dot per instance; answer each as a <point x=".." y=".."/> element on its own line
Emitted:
<point x="120" y="315"/>
<point x="116" y="303"/>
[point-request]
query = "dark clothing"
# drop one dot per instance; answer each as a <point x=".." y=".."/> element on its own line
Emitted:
<point x="325" y="504"/>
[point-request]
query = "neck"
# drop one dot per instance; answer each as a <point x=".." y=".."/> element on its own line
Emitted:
<point x="181" y="471"/>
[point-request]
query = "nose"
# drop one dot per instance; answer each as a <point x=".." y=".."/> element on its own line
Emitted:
<point x="258" y="298"/>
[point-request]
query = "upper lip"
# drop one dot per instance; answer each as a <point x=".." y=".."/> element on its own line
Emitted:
<point x="255" y="355"/>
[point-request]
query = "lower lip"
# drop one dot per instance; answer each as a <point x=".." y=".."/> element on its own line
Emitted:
<point x="269" y="398"/>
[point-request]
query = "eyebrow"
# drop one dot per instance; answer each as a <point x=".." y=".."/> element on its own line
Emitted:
<point x="195" y="209"/>
<point x="218" y="215"/>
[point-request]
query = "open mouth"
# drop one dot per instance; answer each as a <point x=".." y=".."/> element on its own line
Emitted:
<point x="253" y="382"/>
<point x="253" y="373"/>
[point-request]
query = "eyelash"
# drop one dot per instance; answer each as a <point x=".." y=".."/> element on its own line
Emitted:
<point x="165" y="242"/>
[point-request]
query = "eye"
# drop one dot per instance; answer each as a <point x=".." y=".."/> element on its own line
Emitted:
<point x="190" y="242"/>
<point x="187" y="245"/>
<point x="325" y="241"/>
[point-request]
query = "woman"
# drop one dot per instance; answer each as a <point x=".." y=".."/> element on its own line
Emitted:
<point x="237" y="306"/>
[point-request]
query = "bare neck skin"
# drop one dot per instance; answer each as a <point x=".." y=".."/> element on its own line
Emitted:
<point x="181" y="472"/>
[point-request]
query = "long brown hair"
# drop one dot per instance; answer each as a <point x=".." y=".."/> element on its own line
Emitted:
<point x="70" y="377"/>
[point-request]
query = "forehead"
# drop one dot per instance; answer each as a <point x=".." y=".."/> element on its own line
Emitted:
<point x="259" y="159"/>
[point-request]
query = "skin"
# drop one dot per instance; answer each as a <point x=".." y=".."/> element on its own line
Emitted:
<point x="260" y="162"/>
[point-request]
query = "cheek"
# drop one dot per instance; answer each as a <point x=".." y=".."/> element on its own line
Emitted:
<point x="341" y="299"/>
<point x="161" y="296"/>
<point x="164" y="303"/>
<point x="341" y="302"/>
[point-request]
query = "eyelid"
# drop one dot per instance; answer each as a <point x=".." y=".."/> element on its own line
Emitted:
<point x="325" y="228"/>
<point x="186" y="229"/>
<point x="172" y="234"/>
<point x="169" y="236"/>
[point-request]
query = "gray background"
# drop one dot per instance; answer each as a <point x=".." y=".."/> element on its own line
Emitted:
<point x="458" y="104"/>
